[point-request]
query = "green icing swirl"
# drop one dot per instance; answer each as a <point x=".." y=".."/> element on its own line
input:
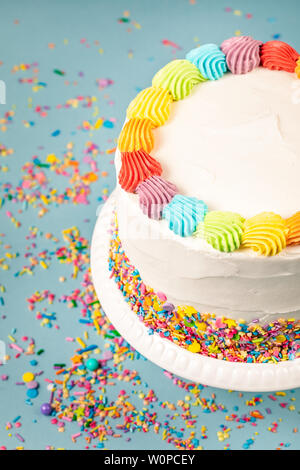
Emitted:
<point x="222" y="230"/>
<point x="178" y="77"/>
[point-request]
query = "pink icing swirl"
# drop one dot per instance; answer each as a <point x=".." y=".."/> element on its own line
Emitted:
<point x="242" y="53"/>
<point x="154" y="193"/>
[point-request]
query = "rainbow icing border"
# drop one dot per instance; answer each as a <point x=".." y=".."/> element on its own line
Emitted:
<point x="266" y="233"/>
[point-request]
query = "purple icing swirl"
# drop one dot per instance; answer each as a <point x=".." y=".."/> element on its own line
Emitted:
<point x="242" y="53"/>
<point x="154" y="194"/>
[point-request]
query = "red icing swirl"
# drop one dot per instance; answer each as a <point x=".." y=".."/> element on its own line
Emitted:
<point x="136" y="167"/>
<point x="278" y="55"/>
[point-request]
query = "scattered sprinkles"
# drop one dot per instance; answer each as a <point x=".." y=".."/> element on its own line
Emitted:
<point x="97" y="390"/>
<point x="35" y="186"/>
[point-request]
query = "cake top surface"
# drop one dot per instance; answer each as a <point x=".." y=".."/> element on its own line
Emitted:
<point x="235" y="143"/>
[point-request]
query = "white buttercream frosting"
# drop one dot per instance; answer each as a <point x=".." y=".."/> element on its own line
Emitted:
<point x="235" y="144"/>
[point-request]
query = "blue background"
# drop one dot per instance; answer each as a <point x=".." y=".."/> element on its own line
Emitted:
<point x="89" y="43"/>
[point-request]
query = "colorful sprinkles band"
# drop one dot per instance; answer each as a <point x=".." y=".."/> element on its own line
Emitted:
<point x="266" y="233"/>
<point x="217" y="337"/>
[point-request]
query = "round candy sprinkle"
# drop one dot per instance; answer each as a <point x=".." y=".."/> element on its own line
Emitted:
<point x="46" y="409"/>
<point x="92" y="364"/>
<point x="32" y="393"/>
<point x="32" y="385"/>
<point x="28" y="377"/>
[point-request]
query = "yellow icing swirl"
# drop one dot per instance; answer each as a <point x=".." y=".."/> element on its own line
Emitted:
<point x="151" y="103"/>
<point x="265" y="233"/>
<point x="135" y="135"/>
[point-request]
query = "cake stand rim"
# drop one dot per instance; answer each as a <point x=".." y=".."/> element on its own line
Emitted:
<point x="239" y="376"/>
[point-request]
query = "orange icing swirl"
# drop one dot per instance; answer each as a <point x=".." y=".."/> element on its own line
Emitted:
<point x="293" y="224"/>
<point x="151" y="103"/>
<point x="135" y="135"/>
<point x="265" y="233"/>
<point x="297" y="69"/>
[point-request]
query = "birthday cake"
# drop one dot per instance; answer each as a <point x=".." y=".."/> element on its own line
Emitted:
<point x="205" y="244"/>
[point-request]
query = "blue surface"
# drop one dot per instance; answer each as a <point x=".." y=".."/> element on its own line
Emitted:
<point x="86" y="41"/>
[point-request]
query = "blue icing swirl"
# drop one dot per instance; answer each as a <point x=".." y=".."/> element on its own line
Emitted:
<point x="209" y="59"/>
<point x="184" y="213"/>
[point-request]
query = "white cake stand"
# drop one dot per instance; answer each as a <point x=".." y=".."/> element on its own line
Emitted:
<point x="164" y="353"/>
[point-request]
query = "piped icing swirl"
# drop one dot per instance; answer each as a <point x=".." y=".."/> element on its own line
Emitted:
<point x="222" y="230"/>
<point x="297" y="69"/>
<point x="184" y="213"/>
<point x="178" y="77"/>
<point x="136" y="167"/>
<point x="135" y="135"/>
<point x="209" y="59"/>
<point x="265" y="233"/>
<point x="293" y="225"/>
<point x="242" y="53"/>
<point x="154" y="194"/>
<point x="278" y="55"/>
<point x="151" y="103"/>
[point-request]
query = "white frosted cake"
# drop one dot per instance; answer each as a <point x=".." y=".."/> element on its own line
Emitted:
<point x="208" y="201"/>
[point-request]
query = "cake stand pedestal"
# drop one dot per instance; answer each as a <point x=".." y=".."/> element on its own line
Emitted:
<point x="164" y="353"/>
